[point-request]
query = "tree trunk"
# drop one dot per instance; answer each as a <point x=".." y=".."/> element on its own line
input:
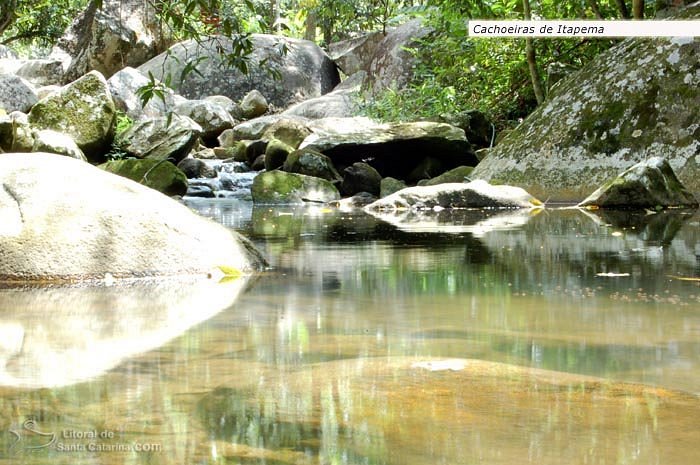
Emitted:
<point x="595" y="8"/>
<point x="638" y="9"/>
<point x="7" y="14"/>
<point x="310" y="26"/>
<point x="622" y="6"/>
<point x="532" y="59"/>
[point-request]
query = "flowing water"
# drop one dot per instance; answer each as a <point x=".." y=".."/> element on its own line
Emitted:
<point x="558" y="337"/>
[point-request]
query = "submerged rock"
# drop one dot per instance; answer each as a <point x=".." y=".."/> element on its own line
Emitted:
<point x="476" y="194"/>
<point x="160" y="175"/>
<point x="64" y="219"/>
<point x="279" y="187"/>
<point x="649" y="184"/>
<point x="637" y="100"/>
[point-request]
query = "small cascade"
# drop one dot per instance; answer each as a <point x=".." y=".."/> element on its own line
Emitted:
<point x="233" y="181"/>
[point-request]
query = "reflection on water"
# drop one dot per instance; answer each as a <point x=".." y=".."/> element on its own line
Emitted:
<point x="560" y="337"/>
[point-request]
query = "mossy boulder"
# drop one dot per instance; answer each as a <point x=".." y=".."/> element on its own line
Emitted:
<point x="276" y="153"/>
<point x="390" y="185"/>
<point x="311" y="163"/>
<point x="360" y="177"/>
<point x="280" y="187"/>
<point x="650" y="184"/>
<point x="637" y="100"/>
<point x="459" y="174"/>
<point x="160" y="175"/>
<point x="83" y="110"/>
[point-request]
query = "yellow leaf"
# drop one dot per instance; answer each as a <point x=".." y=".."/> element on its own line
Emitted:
<point x="230" y="272"/>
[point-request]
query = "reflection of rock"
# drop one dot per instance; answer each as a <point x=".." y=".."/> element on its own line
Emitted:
<point x="476" y="222"/>
<point x="60" y="336"/>
<point x="660" y="227"/>
<point x="475" y="194"/>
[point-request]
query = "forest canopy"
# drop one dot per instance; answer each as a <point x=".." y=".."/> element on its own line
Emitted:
<point x="504" y="78"/>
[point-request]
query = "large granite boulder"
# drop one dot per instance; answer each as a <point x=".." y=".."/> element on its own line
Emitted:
<point x="160" y="175"/>
<point x="304" y="72"/>
<point x="160" y="138"/>
<point x="39" y="72"/>
<point x="353" y="55"/>
<point x="279" y="187"/>
<point x="124" y="85"/>
<point x="393" y="149"/>
<point x="117" y="34"/>
<point x="50" y="141"/>
<point x="392" y="64"/>
<point x="16" y="94"/>
<point x="257" y="127"/>
<point x="475" y="194"/>
<point x="65" y="220"/>
<point x="84" y="110"/>
<point x="637" y="100"/>
<point x="649" y="184"/>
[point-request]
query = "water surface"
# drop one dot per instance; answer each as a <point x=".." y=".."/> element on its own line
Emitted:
<point x="546" y="338"/>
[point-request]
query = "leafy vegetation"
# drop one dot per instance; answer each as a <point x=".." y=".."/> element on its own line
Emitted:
<point x="453" y="72"/>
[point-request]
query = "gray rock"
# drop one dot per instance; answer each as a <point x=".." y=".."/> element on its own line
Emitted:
<point x="360" y="177"/>
<point x="120" y="33"/>
<point x="200" y="191"/>
<point x="291" y="131"/>
<point x="311" y="163"/>
<point x="160" y="175"/>
<point x="83" y="110"/>
<point x="253" y="105"/>
<point x="650" y="184"/>
<point x="393" y="149"/>
<point x="340" y="103"/>
<point x="305" y="71"/>
<point x="476" y="194"/>
<point x="124" y="85"/>
<point x="6" y="52"/>
<point x="16" y="94"/>
<point x="205" y="153"/>
<point x="229" y="105"/>
<point x="279" y="187"/>
<point x="194" y="168"/>
<point x="212" y="117"/>
<point x="65" y="220"/>
<point x="392" y="64"/>
<point x="41" y="72"/>
<point x="160" y="139"/>
<point x="237" y="151"/>
<point x="255" y="128"/>
<point x="355" y="54"/>
<point x="638" y="100"/>
<point x="390" y="185"/>
<point x="58" y="143"/>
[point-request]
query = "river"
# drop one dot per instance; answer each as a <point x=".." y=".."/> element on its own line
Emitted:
<point x="544" y="337"/>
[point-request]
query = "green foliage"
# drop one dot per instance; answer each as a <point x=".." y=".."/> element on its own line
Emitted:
<point x="36" y="22"/>
<point x="123" y="122"/>
<point x="456" y="73"/>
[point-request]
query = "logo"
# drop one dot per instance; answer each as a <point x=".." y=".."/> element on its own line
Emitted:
<point x="30" y="438"/>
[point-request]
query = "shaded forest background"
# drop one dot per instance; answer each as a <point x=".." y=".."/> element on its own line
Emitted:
<point x="504" y="78"/>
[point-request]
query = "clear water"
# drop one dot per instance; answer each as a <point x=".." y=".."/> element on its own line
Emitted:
<point x="553" y="338"/>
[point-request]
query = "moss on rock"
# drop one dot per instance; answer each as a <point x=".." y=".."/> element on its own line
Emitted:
<point x="160" y="175"/>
